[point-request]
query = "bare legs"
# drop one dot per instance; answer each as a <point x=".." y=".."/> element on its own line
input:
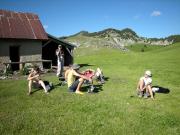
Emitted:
<point x="30" y="85"/>
<point x="142" y="88"/>
<point x="43" y="85"/>
<point x="40" y="82"/>
<point x="81" y="80"/>
<point x="149" y="89"/>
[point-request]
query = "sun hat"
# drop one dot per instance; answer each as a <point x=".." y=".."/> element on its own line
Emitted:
<point x="148" y="73"/>
<point x="75" y="66"/>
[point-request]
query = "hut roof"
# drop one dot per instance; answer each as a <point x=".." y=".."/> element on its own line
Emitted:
<point x="20" y="25"/>
<point x="61" y="42"/>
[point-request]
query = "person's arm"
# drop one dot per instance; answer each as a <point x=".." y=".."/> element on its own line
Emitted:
<point x="62" y="52"/>
<point x="31" y="76"/>
<point x="57" y="52"/>
<point x="81" y="73"/>
<point x="81" y="76"/>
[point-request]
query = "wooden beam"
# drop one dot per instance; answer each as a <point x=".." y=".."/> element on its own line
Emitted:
<point x="69" y="51"/>
<point x="46" y="43"/>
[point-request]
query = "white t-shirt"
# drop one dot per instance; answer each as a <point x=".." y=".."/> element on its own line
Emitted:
<point x="147" y="80"/>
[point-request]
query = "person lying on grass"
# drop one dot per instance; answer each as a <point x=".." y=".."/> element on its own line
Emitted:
<point x="34" y="77"/>
<point x="74" y="85"/>
<point x="96" y="75"/>
<point x="144" y="85"/>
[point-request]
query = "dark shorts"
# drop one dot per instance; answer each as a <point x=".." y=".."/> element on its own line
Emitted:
<point x="74" y="86"/>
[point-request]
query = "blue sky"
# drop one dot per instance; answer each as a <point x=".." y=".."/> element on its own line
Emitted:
<point x="148" y="18"/>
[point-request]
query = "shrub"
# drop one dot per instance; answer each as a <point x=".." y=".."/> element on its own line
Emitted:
<point x="25" y="70"/>
<point x="8" y="71"/>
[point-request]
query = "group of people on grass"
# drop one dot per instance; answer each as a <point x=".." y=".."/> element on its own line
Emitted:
<point x="76" y="79"/>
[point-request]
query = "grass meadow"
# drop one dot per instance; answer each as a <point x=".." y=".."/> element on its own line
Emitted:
<point x="113" y="110"/>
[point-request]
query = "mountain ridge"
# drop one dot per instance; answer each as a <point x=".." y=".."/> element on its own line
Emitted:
<point x="116" y="38"/>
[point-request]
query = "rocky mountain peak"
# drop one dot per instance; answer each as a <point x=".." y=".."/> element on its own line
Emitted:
<point x="116" y="38"/>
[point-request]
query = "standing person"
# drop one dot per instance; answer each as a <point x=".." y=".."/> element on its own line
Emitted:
<point x="144" y="85"/>
<point x="34" y="77"/>
<point x="60" y="60"/>
<point x="74" y="85"/>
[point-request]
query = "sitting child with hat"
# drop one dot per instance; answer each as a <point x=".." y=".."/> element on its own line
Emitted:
<point x="144" y="85"/>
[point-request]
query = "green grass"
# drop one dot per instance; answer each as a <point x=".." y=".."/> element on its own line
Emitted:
<point x="114" y="110"/>
<point x="143" y="48"/>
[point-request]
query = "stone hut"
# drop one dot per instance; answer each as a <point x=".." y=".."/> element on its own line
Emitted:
<point x="23" y="38"/>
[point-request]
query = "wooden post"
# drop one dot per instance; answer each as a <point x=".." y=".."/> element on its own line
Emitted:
<point x="22" y="65"/>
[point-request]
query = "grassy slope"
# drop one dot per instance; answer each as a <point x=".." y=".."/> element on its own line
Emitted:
<point x="139" y="47"/>
<point x="88" y="41"/>
<point x="114" y="110"/>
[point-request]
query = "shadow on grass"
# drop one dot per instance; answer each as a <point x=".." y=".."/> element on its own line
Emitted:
<point x="161" y="89"/>
<point x="36" y="89"/>
<point x="85" y="65"/>
<point x="106" y="78"/>
<point x="97" y="88"/>
<point x="58" y="85"/>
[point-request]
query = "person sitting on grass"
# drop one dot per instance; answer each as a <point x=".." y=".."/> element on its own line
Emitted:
<point x="34" y="78"/>
<point x="74" y="85"/>
<point x="144" y="85"/>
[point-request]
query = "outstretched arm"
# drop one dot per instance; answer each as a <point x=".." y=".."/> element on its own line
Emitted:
<point x="81" y="76"/>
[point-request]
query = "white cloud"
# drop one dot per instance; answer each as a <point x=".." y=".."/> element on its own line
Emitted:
<point x="45" y="26"/>
<point x="156" y="13"/>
